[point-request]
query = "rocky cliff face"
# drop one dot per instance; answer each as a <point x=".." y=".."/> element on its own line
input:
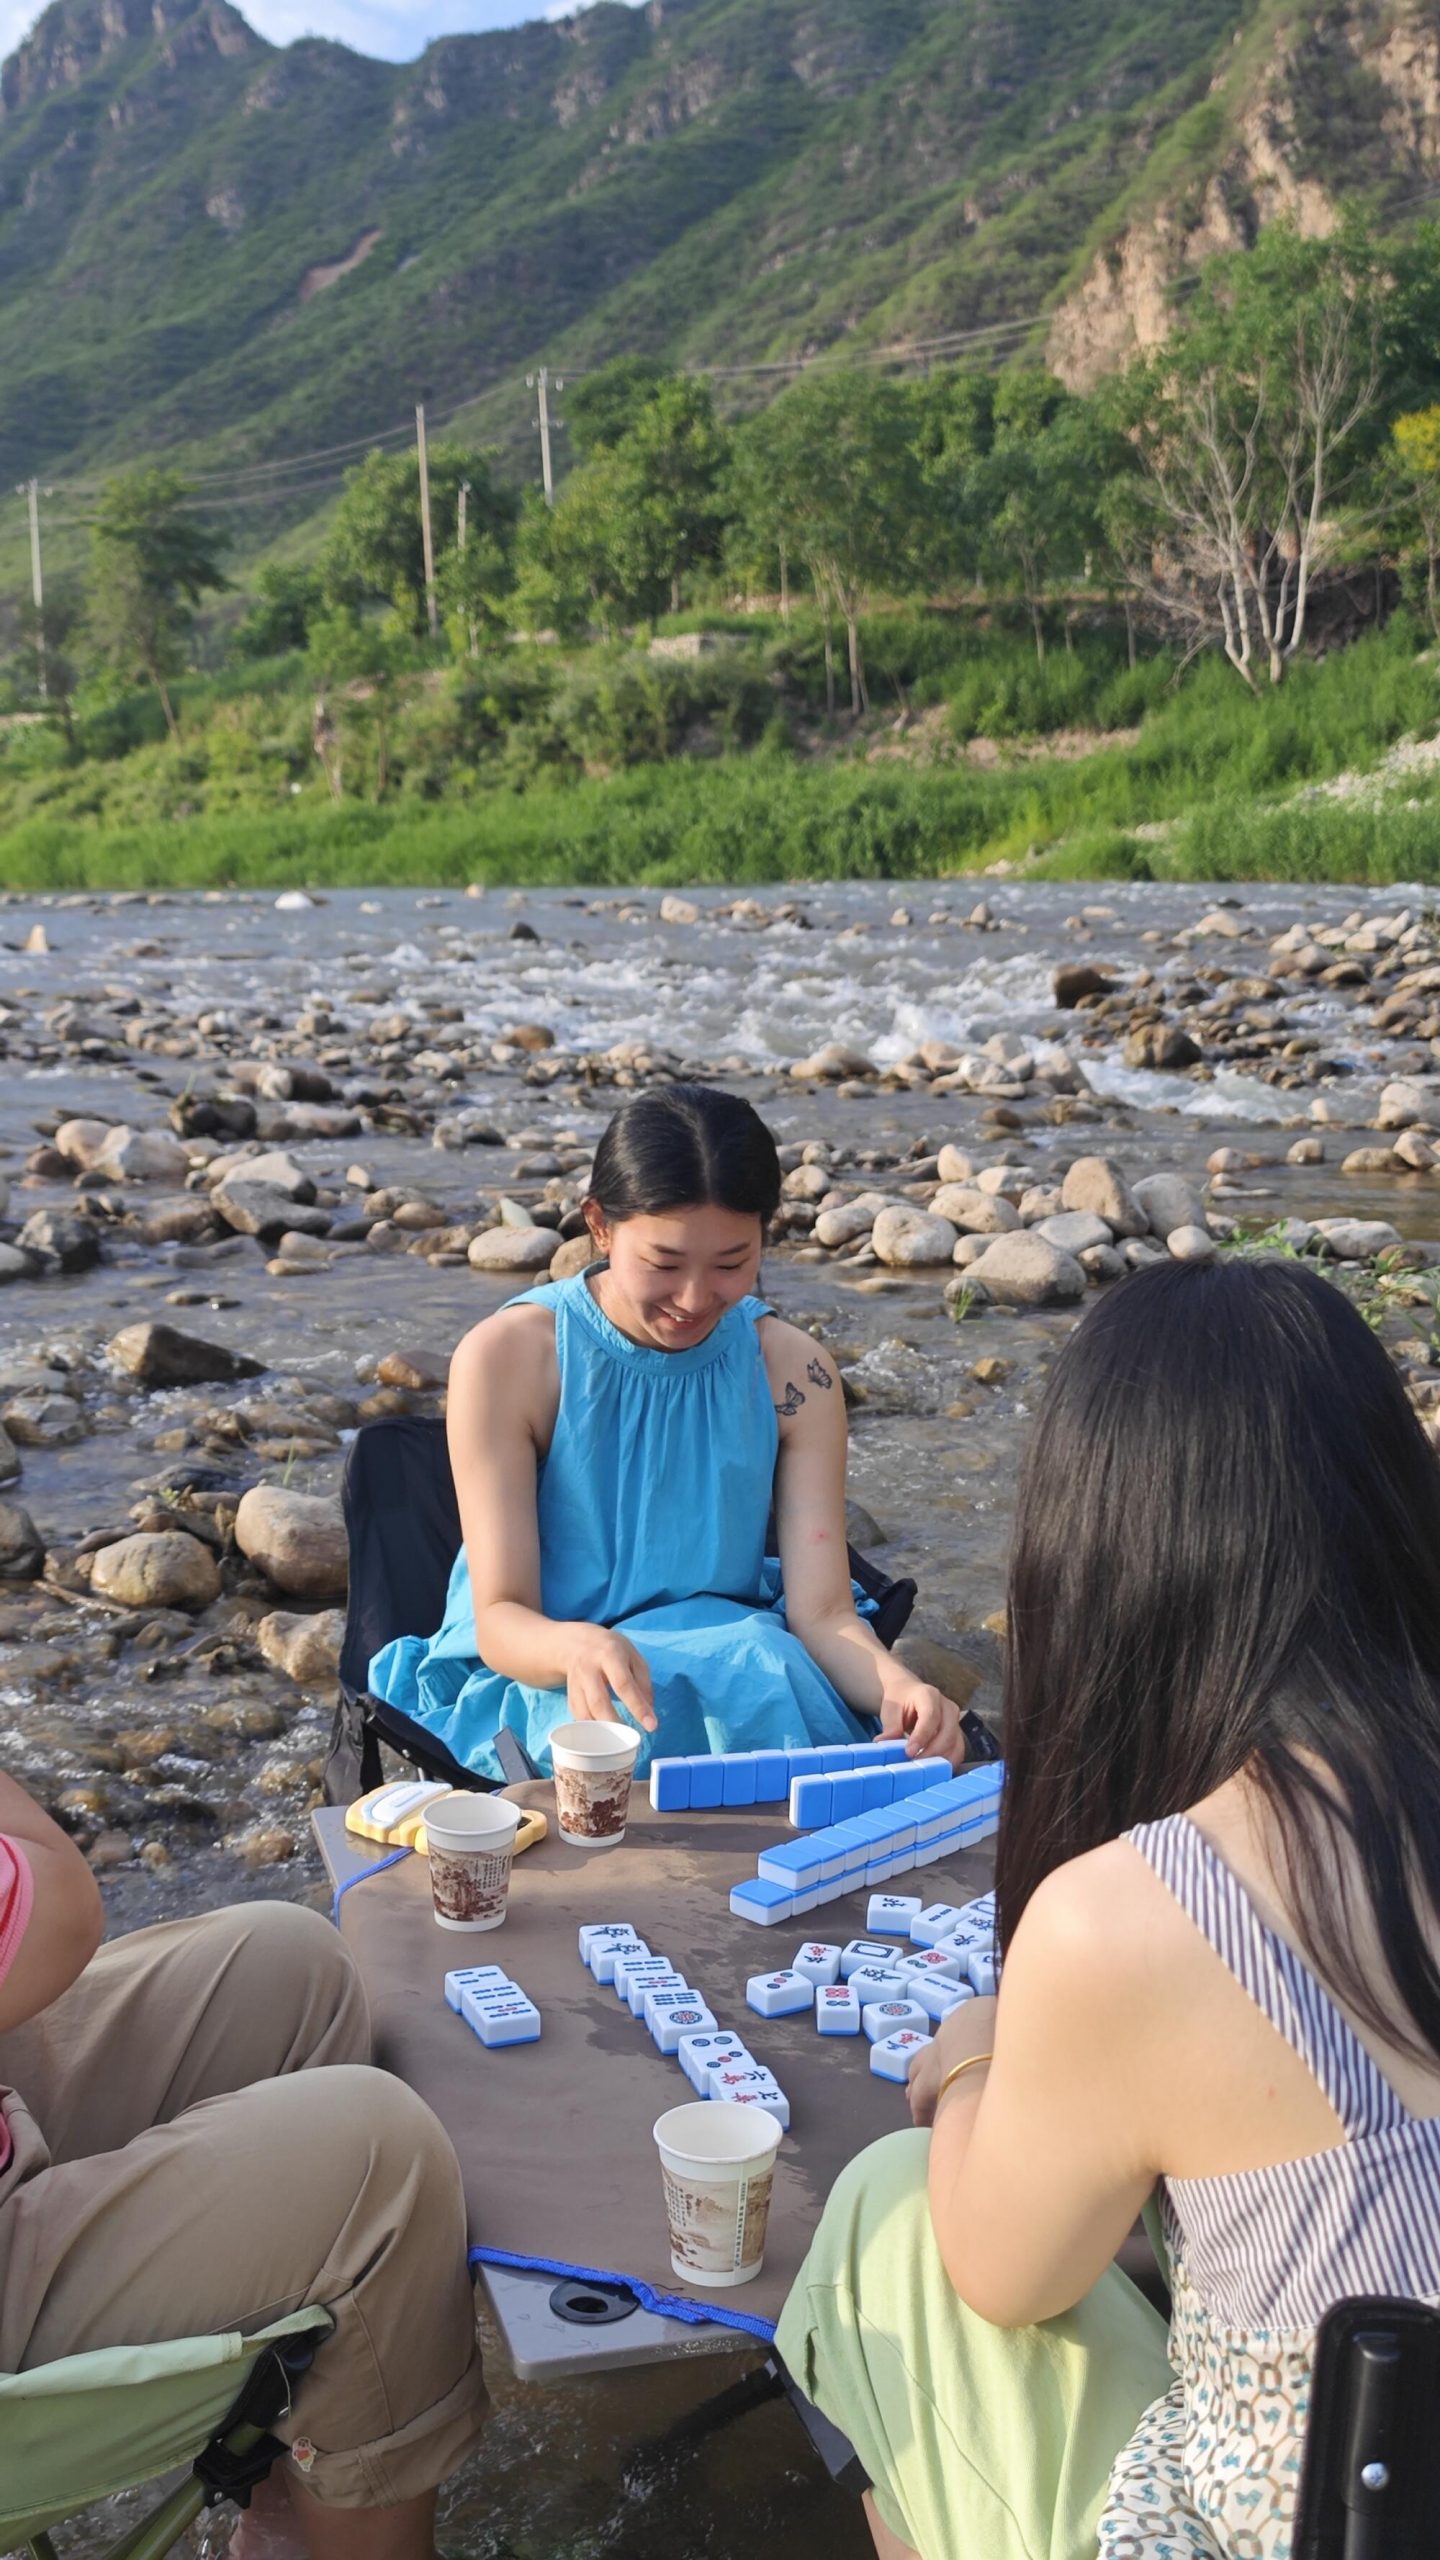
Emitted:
<point x="213" y="247"/>
<point x="1308" y="110"/>
<point x="76" y="38"/>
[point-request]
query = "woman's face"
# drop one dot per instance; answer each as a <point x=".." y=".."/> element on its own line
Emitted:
<point x="673" y="1277"/>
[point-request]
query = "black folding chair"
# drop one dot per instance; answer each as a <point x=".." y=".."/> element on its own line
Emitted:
<point x="1370" y="2486"/>
<point x="403" y="1526"/>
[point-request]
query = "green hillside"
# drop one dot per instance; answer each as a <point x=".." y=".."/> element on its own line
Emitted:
<point x="223" y="251"/>
<point x="717" y="181"/>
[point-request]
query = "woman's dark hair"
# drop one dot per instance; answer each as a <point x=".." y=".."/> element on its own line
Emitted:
<point x="1226" y="1557"/>
<point x="685" y="1146"/>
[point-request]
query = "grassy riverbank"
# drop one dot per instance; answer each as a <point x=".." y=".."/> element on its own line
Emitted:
<point x="612" y="768"/>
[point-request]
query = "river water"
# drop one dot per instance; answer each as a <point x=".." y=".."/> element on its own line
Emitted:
<point x="194" y="1761"/>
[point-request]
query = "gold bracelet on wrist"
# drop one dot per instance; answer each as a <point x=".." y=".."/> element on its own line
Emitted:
<point x="953" y="2074"/>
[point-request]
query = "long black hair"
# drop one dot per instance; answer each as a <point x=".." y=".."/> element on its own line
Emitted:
<point x="1227" y="1557"/>
<point x="685" y="1146"/>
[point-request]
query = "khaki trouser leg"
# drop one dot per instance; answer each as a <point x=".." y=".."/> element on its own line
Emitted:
<point x="199" y="2146"/>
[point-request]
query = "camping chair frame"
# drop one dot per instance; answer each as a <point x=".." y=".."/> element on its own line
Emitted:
<point x="239" y="2455"/>
<point x="1370" y="2486"/>
<point x="403" y="1526"/>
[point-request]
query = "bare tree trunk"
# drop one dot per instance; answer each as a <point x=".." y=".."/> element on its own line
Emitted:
<point x="829" y="668"/>
<point x="674" y="595"/>
<point x="1038" y="627"/>
<point x="1235" y="623"/>
<point x="859" y="699"/>
<point x="325" y="741"/>
<point x="784" y="582"/>
<point x="168" y="707"/>
<point x="1130" y="630"/>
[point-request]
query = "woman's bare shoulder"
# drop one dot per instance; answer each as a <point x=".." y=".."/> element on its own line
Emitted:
<point x="516" y="1346"/>
<point x="1106" y="1913"/>
<point x="789" y="1349"/>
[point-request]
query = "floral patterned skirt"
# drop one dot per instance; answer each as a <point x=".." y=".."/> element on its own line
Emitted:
<point x="1212" y="2472"/>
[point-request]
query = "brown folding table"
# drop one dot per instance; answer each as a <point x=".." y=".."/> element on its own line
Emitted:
<point x="554" y="2139"/>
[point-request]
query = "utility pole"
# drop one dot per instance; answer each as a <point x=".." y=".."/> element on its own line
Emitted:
<point x="541" y="382"/>
<point x="31" y="489"/>
<point x="432" y="608"/>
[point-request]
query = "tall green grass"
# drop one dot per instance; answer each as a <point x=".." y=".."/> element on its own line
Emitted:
<point x="739" y="821"/>
<point x="1308" y="840"/>
<point x="479" y="794"/>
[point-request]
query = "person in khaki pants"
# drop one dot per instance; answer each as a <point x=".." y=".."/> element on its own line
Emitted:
<point x="192" y="2139"/>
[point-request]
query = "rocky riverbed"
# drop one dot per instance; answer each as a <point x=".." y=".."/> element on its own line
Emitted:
<point x="265" y="1161"/>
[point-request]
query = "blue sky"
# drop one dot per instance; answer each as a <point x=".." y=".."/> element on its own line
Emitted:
<point x="395" y="29"/>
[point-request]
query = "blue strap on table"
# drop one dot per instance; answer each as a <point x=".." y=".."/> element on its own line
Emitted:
<point x="666" y="2306"/>
<point x="392" y="1859"/>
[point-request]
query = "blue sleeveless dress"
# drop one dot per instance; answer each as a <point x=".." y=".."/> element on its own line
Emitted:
<point x="653" y="1503"/>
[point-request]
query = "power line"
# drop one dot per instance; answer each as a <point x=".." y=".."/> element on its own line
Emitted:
<point x="285" y="478"/>
<point x="323" y="453"/>
<point x="314" y="485"/>
<point x="937" y="349"/>
<point x="911" y="351"/>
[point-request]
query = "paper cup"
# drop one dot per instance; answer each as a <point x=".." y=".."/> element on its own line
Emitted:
<point x="594" y="1765"/>
<point x="718" y="2167"/>
<point x="471" y="1840"/>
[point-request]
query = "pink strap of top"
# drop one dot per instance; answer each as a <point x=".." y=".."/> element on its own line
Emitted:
<point x="17" y="1893"/>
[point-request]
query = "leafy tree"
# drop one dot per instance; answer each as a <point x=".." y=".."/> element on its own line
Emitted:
<point x="1415" y="444"/>
<point x="1408" y="318"/>
<point x="953" y="433"/>
<point x="1254" y="427"/>
<point x="836" y="455"/>
<point x="151" y="561"/>
<point x="758" y="528"/>
<point x="474" y="587"/>
<point x="671" y="490"/>
<point x="288" y="600"/>
<point x="629" y="524"/>
<point x="1034" y="498"/>
<point x="376" y="551"/>
<point x="59" y="624"/>
<point x="602" y="407"/>
<point x="356" y="660"/>
<point x="568" y="569"/>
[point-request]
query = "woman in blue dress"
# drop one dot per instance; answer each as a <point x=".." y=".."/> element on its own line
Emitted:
<point x="617" y="1441"/>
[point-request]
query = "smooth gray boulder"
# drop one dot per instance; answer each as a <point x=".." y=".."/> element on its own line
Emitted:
<point x="297" y="1540"/>
<point x="1096" y="1184"/>
<point x="513" y="1249"/>
<point x="1024" y="1271"/>
<point x="908" y="1239"/>
<point x="170" y="1570"/>
<point x="1075" y="1231"/>
<point x="1169" y="1201"/>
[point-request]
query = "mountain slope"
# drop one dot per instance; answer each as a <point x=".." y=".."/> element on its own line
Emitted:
<point x="217" y="249"/>
<point x="1308" y="108"/>
<point x="719" y="179"/>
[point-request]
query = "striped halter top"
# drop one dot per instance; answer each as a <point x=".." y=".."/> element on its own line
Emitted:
<point x="1257" y="2257"/>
